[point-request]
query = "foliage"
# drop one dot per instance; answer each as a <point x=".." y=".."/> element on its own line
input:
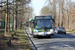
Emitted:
<point x="22" y="11"/>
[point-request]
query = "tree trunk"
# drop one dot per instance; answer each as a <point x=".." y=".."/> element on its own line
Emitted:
<point x="9" y="23"/>
<point x="13" y="18"/>
<point x="15" y="22"/>
<point x="6" y="16"/>
<point x="54" y="10"/>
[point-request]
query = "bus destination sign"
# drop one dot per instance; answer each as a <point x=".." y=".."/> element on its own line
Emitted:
<point x="43" y="17"/>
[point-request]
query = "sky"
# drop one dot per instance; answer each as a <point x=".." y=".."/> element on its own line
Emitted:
<point x="38" y="4"/>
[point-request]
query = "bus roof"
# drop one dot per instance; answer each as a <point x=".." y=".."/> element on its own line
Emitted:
<point x="40" y="17"/>
<point x="31" y="19"/>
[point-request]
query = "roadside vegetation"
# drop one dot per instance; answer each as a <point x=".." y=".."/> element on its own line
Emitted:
<point x="71" y="31"/>
<point x="18" y="41"/>
<point x="14" y="14"/>
<point x="2" y="44"/>
<point x="24" y="40"/>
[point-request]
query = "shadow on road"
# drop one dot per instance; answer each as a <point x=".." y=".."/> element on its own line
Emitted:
<point x="44" y="37"/>
<point x="68" y="35"/>
<point x="56" y="45"/>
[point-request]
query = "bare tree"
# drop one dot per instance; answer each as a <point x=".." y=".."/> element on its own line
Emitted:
<point x="45" y="11"/>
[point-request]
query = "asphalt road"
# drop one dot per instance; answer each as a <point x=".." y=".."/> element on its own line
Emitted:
<point x="56" y="42"/>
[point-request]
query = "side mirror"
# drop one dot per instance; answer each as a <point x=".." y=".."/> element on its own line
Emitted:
<point x="33" y="22"/>
<point x="53" y="20"/>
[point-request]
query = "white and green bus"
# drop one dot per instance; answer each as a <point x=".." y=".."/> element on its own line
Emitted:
<point x="41" y="26"/>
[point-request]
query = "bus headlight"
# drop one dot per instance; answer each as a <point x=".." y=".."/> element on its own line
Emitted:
<point x="36" y="32"/>
<point x="51" y="30"/>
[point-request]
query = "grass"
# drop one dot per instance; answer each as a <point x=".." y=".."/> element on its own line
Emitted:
<point x="2" y="40"/>
<point x="25" y="42"/>
<point x="23" y="39"/>
<point x="1" y="32"/>
<point x="73" y="31"/>
<point x="21" y="36"/>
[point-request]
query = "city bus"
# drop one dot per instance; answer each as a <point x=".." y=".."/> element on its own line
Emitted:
<point x="41" y="26"/>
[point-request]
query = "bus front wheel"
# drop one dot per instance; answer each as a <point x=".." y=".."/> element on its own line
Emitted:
<point x="34" y="36"/>
<point x="48" y="36"/>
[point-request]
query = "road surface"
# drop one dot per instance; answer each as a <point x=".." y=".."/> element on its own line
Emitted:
<point x="56" y="42"/>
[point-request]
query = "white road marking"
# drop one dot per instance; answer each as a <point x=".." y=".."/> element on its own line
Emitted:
<point x="65" y="46"/>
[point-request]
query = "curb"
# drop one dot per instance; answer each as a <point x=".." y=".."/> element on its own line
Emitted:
<point x="32" y="44"/>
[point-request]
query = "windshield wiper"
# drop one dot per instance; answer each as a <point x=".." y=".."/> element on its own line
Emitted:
<point x="44" y="27"/>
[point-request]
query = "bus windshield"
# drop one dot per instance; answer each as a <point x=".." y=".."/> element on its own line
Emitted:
<point x="43" y="23"/>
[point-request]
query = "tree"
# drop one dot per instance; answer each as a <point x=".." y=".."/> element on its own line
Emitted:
<point x="45" y="11"/>
<point x="61" y="11"/>
<point x="6" y="16"/>
<point x="19" y="8"/>
<point x="20" y="4"/>
<point x="52" y="6"/>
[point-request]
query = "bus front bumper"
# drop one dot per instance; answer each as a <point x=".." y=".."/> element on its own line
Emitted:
<point x="44" y="33"/>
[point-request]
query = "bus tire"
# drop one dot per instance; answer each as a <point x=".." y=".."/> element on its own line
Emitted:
<point x="48" y="36"/>
<point x="34" y="36"/>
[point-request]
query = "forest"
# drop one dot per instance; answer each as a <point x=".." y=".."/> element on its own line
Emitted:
<point x="15" y="12"/>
